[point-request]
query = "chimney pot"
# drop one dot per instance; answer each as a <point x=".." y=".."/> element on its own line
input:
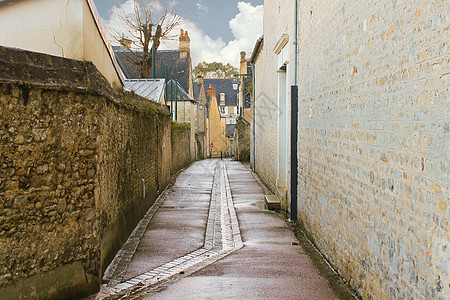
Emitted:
<point x="181" y="30"/>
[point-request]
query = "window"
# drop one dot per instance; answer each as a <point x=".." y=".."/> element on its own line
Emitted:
<point x="222" y="98"/>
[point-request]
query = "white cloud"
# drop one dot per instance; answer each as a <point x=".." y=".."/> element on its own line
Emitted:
<point x="201" y="6"/>
<point x="246" y="27"/>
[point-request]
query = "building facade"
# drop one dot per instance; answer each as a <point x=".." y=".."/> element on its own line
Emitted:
<point x="372" y="147"/>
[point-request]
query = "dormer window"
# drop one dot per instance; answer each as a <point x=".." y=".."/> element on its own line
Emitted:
<point x="222" y="98"/>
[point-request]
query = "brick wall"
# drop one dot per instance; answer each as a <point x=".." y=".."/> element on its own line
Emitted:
<point x="74" y="158"/>
<point x="373" y="142"/>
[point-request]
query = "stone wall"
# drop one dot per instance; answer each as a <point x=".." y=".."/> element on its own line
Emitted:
<point x="180" y="137"/>
<point x="373" y="143"/>
<point x="373" y="137"/>
<point x="242" y="141"/>
<point x="80" y="164"/>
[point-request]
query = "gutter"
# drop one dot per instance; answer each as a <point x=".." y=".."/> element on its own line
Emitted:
<point x="256" y="49"/>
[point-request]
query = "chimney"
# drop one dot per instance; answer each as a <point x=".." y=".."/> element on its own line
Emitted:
<point x="243" y="65"/>
<point x="185" y="42"/>
<point x="125" y="43"/>
<point x="243" y="56"/>
<point x="211" y="92"/>
<point x="200" y="78"/>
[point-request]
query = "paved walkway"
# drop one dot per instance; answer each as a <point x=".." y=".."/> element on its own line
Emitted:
<point x="208" y="237"/>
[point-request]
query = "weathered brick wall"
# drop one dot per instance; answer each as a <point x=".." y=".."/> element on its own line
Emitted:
<point x="373" y="142"/>
<point x="73" y="154"/>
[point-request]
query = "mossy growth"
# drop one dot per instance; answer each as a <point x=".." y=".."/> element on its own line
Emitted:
<point x="144" y="105"/>
<point x="179" y="126"/>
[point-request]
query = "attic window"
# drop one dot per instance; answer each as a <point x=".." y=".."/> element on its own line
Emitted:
<point x="222" y="98"/>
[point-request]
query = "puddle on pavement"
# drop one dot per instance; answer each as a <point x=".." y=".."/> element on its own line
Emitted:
<point x="259" y="204"/>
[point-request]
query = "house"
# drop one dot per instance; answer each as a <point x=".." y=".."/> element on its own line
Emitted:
<point x="67" y="29"/>
<point x="170" y="64"/>
<point x="225" y="101"/>
<point x="351" y="132"/>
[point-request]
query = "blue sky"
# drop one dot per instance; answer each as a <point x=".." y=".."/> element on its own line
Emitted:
<point x="219" y="29"/>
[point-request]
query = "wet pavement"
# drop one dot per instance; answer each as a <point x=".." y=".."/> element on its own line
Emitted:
<point x="209" y="237"/>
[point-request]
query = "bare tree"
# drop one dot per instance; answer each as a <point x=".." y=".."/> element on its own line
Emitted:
<point x="146" y="29"/>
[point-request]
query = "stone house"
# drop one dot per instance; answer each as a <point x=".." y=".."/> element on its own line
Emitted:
<point x="70" y="30"/>
<point x="176" y="67"/>
<point x="176" y="64"/>
<point x="224" y="96"/>
<point x="369" y="134"/>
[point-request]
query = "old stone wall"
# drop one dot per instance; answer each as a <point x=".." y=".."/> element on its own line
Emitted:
<point x="242" y="140"/>
<point x="79" y="166"/>
<point x="180" y="138"/>
<point x="373" y="142"/>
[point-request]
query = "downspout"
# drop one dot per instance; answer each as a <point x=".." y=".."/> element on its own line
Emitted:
<point x="253" y="117"/>
<point x="294" y="121"/>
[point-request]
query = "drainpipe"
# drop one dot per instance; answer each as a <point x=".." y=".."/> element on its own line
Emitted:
<point x="294" y="122"/>
<point x="153" y="61"/>
<point x="253" y="117"/>
<point x="176" y="100"/>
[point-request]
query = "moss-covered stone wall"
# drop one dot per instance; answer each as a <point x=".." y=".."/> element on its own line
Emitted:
<point x="80" y="164"/>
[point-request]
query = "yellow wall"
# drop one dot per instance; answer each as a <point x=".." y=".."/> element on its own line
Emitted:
<point x="217" y="127"/>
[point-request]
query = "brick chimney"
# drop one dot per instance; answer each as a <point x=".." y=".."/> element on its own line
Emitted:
<point x="211" y="91"/>
<point x="185" y="44"/>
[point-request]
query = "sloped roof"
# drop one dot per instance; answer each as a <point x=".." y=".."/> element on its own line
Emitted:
<point x="152" y="89"/>
<point x="182" y="95"/>
<point x="222" y="86"/>
<point x="230" y="128"/>
<point x="176" y="66"/>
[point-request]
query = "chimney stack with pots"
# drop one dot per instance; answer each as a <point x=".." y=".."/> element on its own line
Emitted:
<point x="185" y="44"/>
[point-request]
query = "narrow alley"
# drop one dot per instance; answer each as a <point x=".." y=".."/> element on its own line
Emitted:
<point x="209" y="236"/>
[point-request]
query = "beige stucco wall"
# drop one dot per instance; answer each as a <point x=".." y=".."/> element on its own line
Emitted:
<point x="47" y="26"/>
<point x="61" y="28"/>
<point x="95" y="49"/>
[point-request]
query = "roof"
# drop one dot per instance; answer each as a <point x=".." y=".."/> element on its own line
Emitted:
<point x="176" y="66"/>
<point x="230" y="129"/>
<point x="152" y="89"/>
<point x="222" y="86"/>
<point x="256" y="49"/>
<point x="182" y="95"/>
